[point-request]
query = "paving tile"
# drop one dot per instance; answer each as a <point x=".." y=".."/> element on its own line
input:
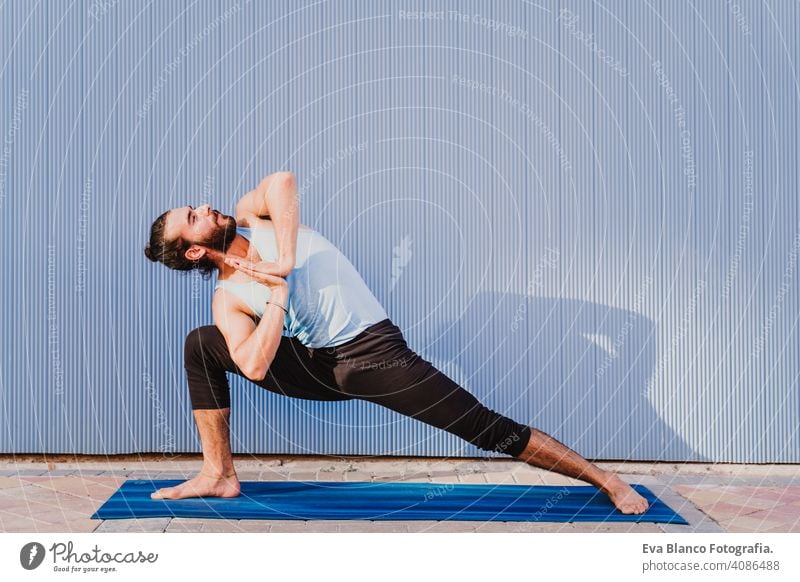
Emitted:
<point x="21" y="524"/>
<point x="302" y="465"/>
<point x="646" y="480"/>
<point x="15" y="493"/>
<point x="108" y="481"/>
<point x="551" y="478"/>
<point x="66" y="522"/>
<point x="303" y="476"/>
<point x="248" y="475"/>
<point x="329" y="476"/>
<point x="722" y="511"/>
<point x="164" y="475"/>
<point x="320" y="526"/>
<point x="154" y="475"/>
<point x="193" y="525"/>
<point x="288" y="526"/>
<point x="444" y="480"/>
<point x="356" y="476"/>
<point x="705" y="497"/>
<point x="365" y="526"/>
<point x="443" y="526"/>
<point x="147" y="525"/>
<point x="65" y="505"/>
<point x="418" y="479"/>
<point x="707" y="526"/>
<point x="75" y="486"/>
<point x="527" y="478"/>
<point x="9" y="482"/>
<point x="17" y="524"/>
<point x="254" y="525"/>
<point x="499" y="478"/>
<point x="524" y="527"/>
<point x="749" y="497"/>
<point x="49" y="528"/>
<point x="750" y="501"/>
<point x="184" y="525"/>
<point x="62" y="518"/>
<point x="408" y="467"/>
<point x="786" y="514"/>
<point x="749" y="524"/>
<point x="393" y="478"/>
<point x="62" y="472"/>
<point x="738" y="527"/>
<point x="616" y="527"/>
<point x="220" y="526"/>
<point x="272" y="476"/>
<point x="469" y="467"/>
<point x="77" y="525"/>
<point x="443" y="476"/>
<point x="476" y="478"/>
<point x="81" y="472"/>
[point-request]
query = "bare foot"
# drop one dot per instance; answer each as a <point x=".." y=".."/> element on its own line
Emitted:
<point x="624" y="496"/>
<point x="201" y="486"/>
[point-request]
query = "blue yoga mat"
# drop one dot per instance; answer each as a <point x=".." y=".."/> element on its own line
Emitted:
<point x="382" y="501"/>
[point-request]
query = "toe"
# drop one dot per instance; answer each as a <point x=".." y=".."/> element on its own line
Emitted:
<point x="161" y="494"/>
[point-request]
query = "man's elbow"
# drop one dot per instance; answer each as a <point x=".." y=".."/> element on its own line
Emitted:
<point x="257" y="375"/>
<point x="279" y="181"/>
<point x="253" y="372"/>
<point x="286" y="178"/>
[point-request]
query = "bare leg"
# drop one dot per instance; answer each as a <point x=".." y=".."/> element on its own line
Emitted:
<point x="218" y="477"/>
<point x="546" y="452"/>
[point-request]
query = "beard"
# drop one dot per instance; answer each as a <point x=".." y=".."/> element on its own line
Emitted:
<point x="222" y="238"/>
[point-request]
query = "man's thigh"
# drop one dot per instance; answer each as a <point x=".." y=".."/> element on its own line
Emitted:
<point x="292" y="372"/>
<point x="295" y="373"/>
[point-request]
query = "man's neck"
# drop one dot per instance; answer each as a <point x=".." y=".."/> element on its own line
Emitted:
<point x="240" y="247"/>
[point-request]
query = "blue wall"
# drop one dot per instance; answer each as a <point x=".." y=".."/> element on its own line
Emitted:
<point x="587" y="214"/>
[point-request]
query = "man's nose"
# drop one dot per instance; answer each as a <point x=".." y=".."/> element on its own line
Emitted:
<point x="206" y="208"/>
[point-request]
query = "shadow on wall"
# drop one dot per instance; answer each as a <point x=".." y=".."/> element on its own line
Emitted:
<point x="576" y="370"/>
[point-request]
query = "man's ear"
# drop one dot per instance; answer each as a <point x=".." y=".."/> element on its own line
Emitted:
<point x="195" y="253"/>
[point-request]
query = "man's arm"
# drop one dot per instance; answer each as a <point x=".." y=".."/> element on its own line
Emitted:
<point x="276" y="197"/>
<point x="252" y="347"/>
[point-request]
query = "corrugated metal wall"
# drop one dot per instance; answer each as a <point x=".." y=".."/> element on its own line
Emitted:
<point x="587" y="214"/>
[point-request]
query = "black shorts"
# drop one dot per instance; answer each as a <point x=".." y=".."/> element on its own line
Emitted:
<point x="376" y="366"/>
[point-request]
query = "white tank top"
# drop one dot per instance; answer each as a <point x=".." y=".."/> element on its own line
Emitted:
<point x="329" y="303"/>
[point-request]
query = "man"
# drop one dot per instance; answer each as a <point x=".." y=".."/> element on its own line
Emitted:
<point x="339" y="343"/>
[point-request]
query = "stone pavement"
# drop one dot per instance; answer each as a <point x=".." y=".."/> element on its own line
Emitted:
<point x="41" y="495"/>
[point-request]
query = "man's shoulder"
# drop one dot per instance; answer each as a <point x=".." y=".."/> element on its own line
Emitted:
<point x="224" y="300"/>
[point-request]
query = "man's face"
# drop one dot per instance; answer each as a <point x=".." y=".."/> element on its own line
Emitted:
<point x="201" y="226"/>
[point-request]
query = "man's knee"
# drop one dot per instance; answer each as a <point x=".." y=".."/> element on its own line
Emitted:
<point x="198" y="343"/>
<point x="497" y="433"/>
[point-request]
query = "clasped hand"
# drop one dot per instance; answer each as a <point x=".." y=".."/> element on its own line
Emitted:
<point x="266" y="272"/>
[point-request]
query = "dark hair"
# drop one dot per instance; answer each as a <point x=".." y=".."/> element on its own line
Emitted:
<point x="173" y="252"/>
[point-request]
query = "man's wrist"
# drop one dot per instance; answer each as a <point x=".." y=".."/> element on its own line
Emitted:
<point x="279" y="305"/>
<point x="280" y="295"/>
<point x="286" y="264"/>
